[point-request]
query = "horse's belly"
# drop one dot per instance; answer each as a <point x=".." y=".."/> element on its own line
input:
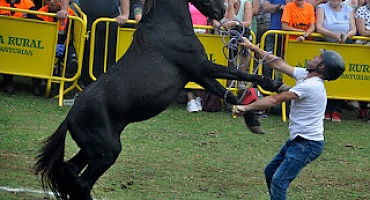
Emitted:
<point x="137" y="89"/>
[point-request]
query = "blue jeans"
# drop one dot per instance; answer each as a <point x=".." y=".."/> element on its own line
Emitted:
<point x="287" y="164"/>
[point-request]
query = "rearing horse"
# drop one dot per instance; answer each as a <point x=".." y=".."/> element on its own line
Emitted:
<point x="164" y="56"/>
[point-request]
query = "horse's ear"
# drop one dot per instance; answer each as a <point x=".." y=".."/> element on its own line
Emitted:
<point x="148" y="5"/>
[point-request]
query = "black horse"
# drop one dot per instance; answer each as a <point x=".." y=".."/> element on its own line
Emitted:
<point x="164" y="56"/>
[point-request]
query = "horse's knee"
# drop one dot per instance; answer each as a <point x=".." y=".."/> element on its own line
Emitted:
<point x="109" y="158"/>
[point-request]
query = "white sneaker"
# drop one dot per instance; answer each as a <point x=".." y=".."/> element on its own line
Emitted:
<point x="192" y="106"/>
<point x="198" y="101"/>
<point x="241" y="85"/>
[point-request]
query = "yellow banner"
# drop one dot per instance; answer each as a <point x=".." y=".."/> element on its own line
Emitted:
<point x="354" y="84"/>
<point x="27" y="47"/>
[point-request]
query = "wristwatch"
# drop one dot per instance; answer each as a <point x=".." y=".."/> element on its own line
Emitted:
<point x="278" y="8"/>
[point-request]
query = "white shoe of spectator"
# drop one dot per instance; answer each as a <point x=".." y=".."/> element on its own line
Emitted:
<point x="198" y="101"/>
<point x="241" y="85"/>
<point x="192" y="106"/>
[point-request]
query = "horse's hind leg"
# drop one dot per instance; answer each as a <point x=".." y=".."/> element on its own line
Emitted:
<point x="77" y="163"/>
<point x="101" y="155"/>
<point x="71" y="169"/>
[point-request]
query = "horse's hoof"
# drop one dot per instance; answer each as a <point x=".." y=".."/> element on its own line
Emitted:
<point x="257" y="129"/>
<point x="269" y="84"/>
<point x="283" y="88"/>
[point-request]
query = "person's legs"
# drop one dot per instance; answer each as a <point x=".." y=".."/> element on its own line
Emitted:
<point x="274" y="165"/>
<point x="299" y="153"/>
<point x="363" y="110"/>
<point x="328" y="110"/>
<point x="38" y="88"/>
<point x="269" y="47"/>
<point x="336" y="106"/>
<point x="191" y="105"/>
<point x="8" y="83"/>
<point x="96" y="9"/>
<point x="72" y="63"/>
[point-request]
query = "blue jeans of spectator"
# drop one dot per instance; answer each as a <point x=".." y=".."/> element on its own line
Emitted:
<point x="292" y="158"/>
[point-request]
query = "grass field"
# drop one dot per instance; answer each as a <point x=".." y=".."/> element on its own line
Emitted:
<point x="180" y="155"/>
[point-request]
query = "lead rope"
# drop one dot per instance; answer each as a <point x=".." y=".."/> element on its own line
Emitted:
<point x="235" y="38"/>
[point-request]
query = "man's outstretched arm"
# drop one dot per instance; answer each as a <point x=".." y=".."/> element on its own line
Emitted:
<point x="266" y="102"/>
<point x="273" y="61"/>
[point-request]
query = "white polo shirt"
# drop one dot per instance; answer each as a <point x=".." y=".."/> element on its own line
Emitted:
<point x="307" y="112"/>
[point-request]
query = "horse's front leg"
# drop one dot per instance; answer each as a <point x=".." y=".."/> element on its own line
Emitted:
<point x="216" y="88"/>
<point x="250" y="118"/>
<point x="214" y="70"/>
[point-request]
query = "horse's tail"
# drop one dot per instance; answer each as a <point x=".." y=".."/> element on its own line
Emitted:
<point x="50" y="162"/>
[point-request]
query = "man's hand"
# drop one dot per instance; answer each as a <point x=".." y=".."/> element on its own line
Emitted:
<point x="121" y="19"/>
<point x="300" y="39"/>
<point x="239" y="110"/>
<point x="246" y="43"/>
<point x="62" y="14"/>
<point x="343" y="37"/>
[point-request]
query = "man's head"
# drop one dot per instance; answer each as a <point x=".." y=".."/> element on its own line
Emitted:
<point x="53" y="5"/>
<point x="329" y="65"/>
<point x="299" y="3"/>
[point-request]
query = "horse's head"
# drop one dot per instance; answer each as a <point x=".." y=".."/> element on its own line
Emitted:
<point x="213" y="9"/>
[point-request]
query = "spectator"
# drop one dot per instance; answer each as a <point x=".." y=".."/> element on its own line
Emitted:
<point x="335" y="21"/>
<point x="53" y="6"/>
<point x="194" y="101"/>
<point x="263" y="21"/>
<point x="256" y="4"/>
<point x="138" y="10"/>
<point x="306" y="127"/>
<point x="94" y="9"/>
<point x="362" y="20"/>
<point x="354" y="4"/>
<point x="275" y="8"/>
<point x="239" y="14"/>
<point x="38" y="3"/>
<point x="315" y="3"/>
<point x="363" y="28"/>
<point x="299" y="16"/>
<point x="8" y="82"/>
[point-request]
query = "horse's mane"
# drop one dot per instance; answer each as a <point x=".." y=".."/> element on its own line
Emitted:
<point x="148" y="5"/>
<point x="139" y="38"/>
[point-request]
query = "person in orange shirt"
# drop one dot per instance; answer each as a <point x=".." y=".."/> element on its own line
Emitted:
<point x="21" y="4"/>
<point x="53" y="6"/>
<point x="8" y="81"/>
<point x="299" y="16"/>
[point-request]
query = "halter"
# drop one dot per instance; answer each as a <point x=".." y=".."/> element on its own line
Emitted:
<point x="235" y="39"/>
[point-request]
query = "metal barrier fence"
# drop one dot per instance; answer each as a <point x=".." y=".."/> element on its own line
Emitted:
<point x="354" y="82"/>
<point x="28" y="47"/>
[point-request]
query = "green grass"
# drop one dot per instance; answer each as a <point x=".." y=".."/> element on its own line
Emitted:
<point x="180" y="155"/>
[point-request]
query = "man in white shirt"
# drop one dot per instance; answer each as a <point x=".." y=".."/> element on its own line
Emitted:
<point x="306" y="127"/>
